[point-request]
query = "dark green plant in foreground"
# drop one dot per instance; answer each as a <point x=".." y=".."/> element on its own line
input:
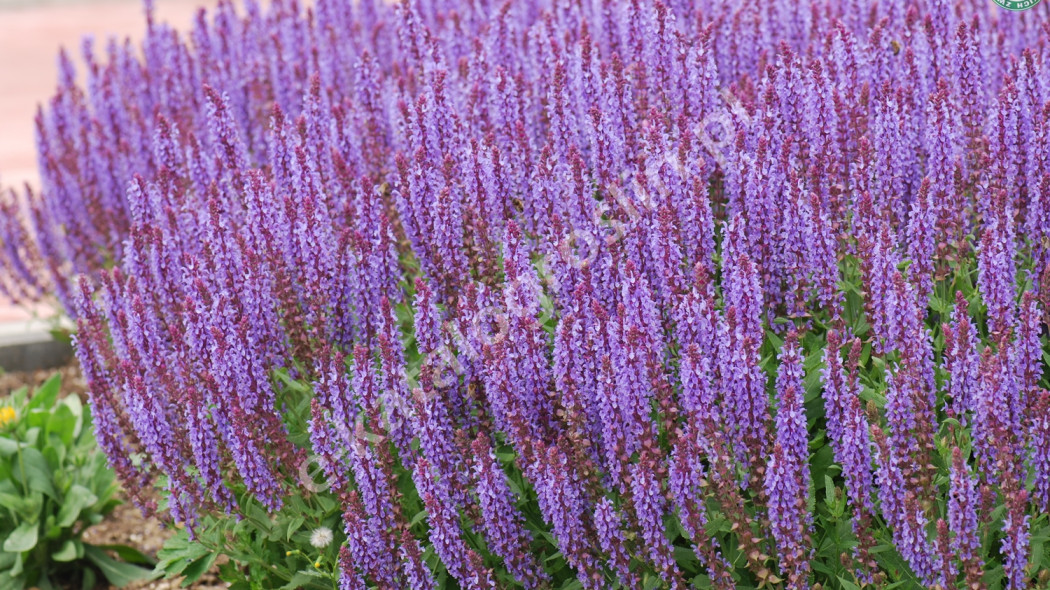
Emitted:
<point x="54" y="484"/>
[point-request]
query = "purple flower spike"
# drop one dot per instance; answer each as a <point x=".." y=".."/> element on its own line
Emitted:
<point x="787" y="474"/>
<point x="501" y="521"/>
<point x="463" y="562"/>
<point x="962" y="519"/>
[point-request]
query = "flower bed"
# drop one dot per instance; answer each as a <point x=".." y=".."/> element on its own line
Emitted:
<point x="568" y="294"/>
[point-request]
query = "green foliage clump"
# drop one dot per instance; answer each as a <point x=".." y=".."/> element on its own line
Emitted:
<point x="54" y="484"/>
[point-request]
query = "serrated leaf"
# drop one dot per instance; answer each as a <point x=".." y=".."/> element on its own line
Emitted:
<point x="198" y="568"/>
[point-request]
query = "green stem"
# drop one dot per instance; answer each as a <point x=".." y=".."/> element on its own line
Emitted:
<point x="21" y="466"/>
<point x="22" y="470"/>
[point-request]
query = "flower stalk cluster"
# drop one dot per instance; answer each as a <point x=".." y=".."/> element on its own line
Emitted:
<point x="570" y="272"/>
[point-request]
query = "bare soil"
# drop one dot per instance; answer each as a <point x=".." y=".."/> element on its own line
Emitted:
<point x="72" y="380"/>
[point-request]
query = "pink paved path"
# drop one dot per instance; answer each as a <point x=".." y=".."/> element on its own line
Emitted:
<point x="30" y="36"/>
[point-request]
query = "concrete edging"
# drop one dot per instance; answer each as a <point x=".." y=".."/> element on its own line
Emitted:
<point x="32" y="351"/>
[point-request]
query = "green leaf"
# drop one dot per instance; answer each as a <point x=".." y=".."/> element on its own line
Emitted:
<point x="23" y="538"/>
<point x="90" y="580"/>
<point x="70" y="550"/>
<point x="178" y="553"/>
<point x="38" y="473"/>
<point x="63" y="335"/>
<point x="118" y="573"/>
<point x="55" y="454"/>
<point x="37" y="419"/>
<point x="62" y="424"/>
<point x="26" y="506"/>
<point x="198" y="568"/>
<point x="294" y="525"/>
<point x="19" y="566"/>
<point x="12" y="578"/>
<point x="45" y="396"/>
<point x="129" y="554"/>
<point x="847" y="585"/>
<point x="418" y="518"/>
<point x="8" y="447"/>
<point x="305" y="578"/>
<point x="75" y="501"/>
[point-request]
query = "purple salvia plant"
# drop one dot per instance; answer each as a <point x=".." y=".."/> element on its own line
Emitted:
<point x="601" y="210"/>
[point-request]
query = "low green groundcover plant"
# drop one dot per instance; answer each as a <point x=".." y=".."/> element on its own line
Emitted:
<point x="54" y="484"/>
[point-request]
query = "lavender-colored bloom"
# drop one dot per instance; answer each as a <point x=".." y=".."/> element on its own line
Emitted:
<point x="416" y="572"/>
<point x="1026" y="354"/>
<point x="365" y="549"/>
<point x="822" y="256"/>
<point x="746" y="401"/>
<point x="112" y="430"/>
<point x="791" y="427"/>
<point x="995" y="260"/>
<point x="1017" y="536"/>
<point x="962" y="518"/>
<point x="445" y="534"/>
<point x="526" y="343"/>
<point x="650" y="505"/>
<point x="635" y="354"/>
<point x="1040" y="449"/>
<point x="922" y="237"/>
<point x="961" y="361"/>
<point x="903" y="512"/>
<point x="998" y="422"/>
<point x="787" y="474"/>
<point x="501" y="521"/>
<point x="349" y="578"/>
<point x="609" y="527"/>
<point x="684" y="484"/>
<point x="564" y="505"/>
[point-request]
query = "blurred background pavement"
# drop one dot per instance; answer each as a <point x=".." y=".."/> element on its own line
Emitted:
<point x="31" y="33"/>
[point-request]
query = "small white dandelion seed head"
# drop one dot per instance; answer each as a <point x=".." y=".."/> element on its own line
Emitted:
<point x="321" y="537"/>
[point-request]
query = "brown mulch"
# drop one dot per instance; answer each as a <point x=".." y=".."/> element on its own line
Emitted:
<point x="72" y="380"/>
<point x="125" y="525"/>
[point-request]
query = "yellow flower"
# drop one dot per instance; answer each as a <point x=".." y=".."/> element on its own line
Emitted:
<point x="7" y="416"/>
